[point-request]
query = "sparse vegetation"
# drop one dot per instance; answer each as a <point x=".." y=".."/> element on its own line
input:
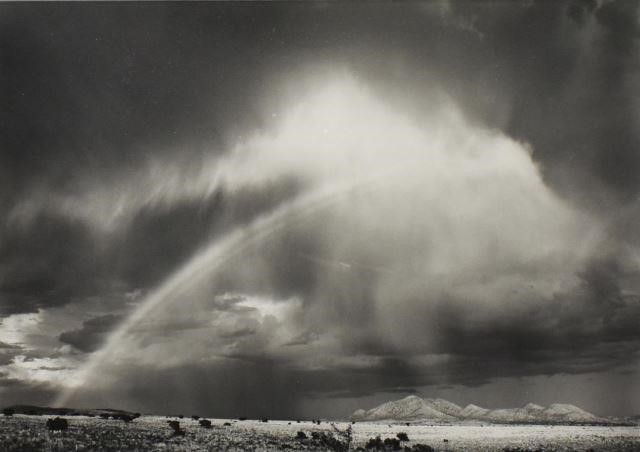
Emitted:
<point x="388" y="444"/>
<point x="327" y="441"/>
<point x="58" y="424"/>
<point x="402" y="436"/>
<point x="301" y="435"/>
<point x="8" y="411"/>
<point x="124" y="417"/>
<point x="422" y="448"/>
<point x="177" y="430"/>
<point x="392" y="443"/>
<point x="374" y="443"/>
<point x="206" y="423"/>
<point x="30" y="433"/>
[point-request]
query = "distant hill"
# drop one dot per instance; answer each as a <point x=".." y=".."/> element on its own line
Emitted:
<point x="50" y="411"/>
<point x="413" y="408"/>
<point x="409" y="408"/>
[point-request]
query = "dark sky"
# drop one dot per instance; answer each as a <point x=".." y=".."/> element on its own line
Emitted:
<point x="300" y="209"/>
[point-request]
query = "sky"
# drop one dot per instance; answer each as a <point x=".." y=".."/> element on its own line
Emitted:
<point x="294" y="210"/>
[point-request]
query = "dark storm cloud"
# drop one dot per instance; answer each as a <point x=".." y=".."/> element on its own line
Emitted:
<point x="4" y="346"/>
<point x="591" y="328"/>
<point x="159" y="239"/>
<point x="89" y="92"/>
<point x="92" y="334"/>
<point x="579" y="10"/>
<point x="140" y="80"/>
<point x="229" y="389"/>
<point x="55" y="261"/>
<point x="49" y="263"/>
<point x="621" y="21"/>
<point x="587" y="328"/>
<point x="6" y="358"/>
<point x="8" y="352"/>
<point x="16" y="391"/>
<point x="92" y="93"/>
<point x="240" y="387"/>
<point x="573" y="86"/>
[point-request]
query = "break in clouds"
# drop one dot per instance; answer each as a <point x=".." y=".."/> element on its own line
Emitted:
<point x="288" y="210"/>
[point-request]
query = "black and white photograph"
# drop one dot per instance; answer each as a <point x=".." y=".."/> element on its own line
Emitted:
<point x="320" y="225"/>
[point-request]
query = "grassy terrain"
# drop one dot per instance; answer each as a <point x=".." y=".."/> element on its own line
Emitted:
<point x="29" y="433"/>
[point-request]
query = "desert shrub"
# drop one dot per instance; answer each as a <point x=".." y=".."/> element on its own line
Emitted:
<point x="301" y="435"/>
<point x="325" y="441"/>
<point x="206" y="423"/>
<point x="422" y="448"/>
<point x="392" y="443"/>
<point x="57" y="423"/>
<point x="104" y="415"/>
<point x="180" y="416"/>
<point x="374" y="443"/>
<point x="227" y="424"/>
<point x="242" y="418"/>
<point x="195" y="417"/>
<point x="175" y="425"/>
<point x="265" y="419"/>
<point x="402" y="436"/>
<point x="125" y="417"/>
<point x="8" y="411"/>
<point x="519" y="449"/>
<point x="388" y="444"/>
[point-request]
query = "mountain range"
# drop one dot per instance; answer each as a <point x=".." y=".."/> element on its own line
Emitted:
<point x="414" y="408"/>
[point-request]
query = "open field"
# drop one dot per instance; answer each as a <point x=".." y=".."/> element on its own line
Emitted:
<point x="25" y="433"/>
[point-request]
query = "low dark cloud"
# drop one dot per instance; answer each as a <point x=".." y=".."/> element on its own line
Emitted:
<point x="16" y="391"/>
<point x="92" y="333"/>
<point x="4" y="346"/>
<point x="47" y="264"/>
